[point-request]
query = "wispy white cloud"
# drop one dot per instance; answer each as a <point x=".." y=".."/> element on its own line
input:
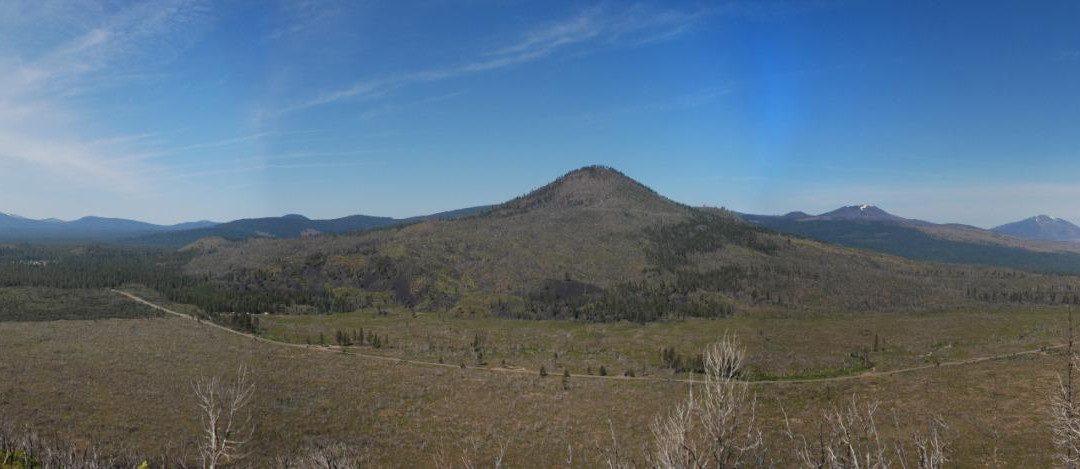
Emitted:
<point x="221" y="143"/>
<point x="636" y="24"/>
<point x="62" y="157"/>
<point x="193" y="148"/>
<point x="274" y="161"/>
<point x="96" y="47"/>
<point x="400" y="106"/>
<point x="593" y="28"/>
<point x="265" y="167"/>
<point x="678" y="103"/>
<point x="303" y="15"/>
<point x="143" y="138"/>
<point x="112" y="43"/>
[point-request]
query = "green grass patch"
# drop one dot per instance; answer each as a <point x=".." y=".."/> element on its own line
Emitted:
<point x="51" y="304"/>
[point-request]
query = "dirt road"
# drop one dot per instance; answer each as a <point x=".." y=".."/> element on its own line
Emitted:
<point x="351" y="351"/>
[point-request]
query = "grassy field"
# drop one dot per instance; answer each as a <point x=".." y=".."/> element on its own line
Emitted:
<point x="781" y="347"/>
<point x="125" y="382"/>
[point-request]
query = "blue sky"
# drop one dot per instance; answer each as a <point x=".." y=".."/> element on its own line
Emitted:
<point x="174" y="110"/>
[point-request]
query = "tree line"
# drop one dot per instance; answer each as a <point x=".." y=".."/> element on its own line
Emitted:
<point x="91" y="267"/>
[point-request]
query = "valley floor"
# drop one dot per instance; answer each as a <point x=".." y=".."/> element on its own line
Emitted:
<point x="780" y="346"/>
<point x="126" y="382"/>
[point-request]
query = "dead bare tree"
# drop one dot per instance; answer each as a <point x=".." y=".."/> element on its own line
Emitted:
<point x="850" y="439"/>
<point x="323" y="455"/>
<point x="469" y="461"/>
<point x="24" y="448"/>
<point x="1065" y="421"/>
<point x="931" y="447"/>
<point x="226" y="421"/>
<point x="717" y="426"/>
<point x="611" y="454"/>
<point x="672" y="435"/>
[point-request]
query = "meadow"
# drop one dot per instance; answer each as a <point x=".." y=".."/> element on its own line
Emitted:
<point x="780" y="345"/>
<point x="126" y="383"/>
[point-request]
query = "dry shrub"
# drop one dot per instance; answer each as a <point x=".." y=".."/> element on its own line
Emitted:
<point x="716" y="426"/>
<point x="850" y="438"/>
<point x="323" y="455"/>
<point x="25" y="448"/>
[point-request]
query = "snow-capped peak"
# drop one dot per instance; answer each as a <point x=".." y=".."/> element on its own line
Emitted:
<point x="866" y="206"/>
<point x="1042" y="227"/>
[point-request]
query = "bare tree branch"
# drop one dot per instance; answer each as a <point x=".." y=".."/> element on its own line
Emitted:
<point x="850" y="439"/>
<point x="717" y="427"/>
<point x="1065" y="423"/>
<point x="226" y="422"/>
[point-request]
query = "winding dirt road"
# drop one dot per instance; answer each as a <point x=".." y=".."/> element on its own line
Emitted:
<point x="350" y="351"/>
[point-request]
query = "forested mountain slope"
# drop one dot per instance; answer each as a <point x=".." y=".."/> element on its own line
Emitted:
<point x="597" y="245"/>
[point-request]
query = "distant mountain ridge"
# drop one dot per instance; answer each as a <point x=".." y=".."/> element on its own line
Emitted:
<point x="860" y="212"/>
<point x="1041" y="227"/>
<point x="101" y="229"/>
<point x="91" y="228"/>
<point x="1033" y="244"/>
<point x="863" y="212"/>
<point x="291" y="226"/>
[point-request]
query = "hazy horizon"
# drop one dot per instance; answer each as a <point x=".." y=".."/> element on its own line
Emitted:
<point x="182" y="110"/>
<point x="736" y="209"/>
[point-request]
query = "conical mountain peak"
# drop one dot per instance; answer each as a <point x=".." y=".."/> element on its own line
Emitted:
<point x="595" y="187"/>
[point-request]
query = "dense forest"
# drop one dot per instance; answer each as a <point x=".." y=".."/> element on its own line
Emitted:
<point x="51" y="304"/>
<point x="102" y="266"/>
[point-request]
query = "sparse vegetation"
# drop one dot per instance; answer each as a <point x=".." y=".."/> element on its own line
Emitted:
<point x="128" y="394"/>
<point x="22" y="448"/>
<point x="629" y="290"/>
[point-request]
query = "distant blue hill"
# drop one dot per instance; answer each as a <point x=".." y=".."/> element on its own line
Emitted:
<point x="868" y="227"/>
<point x="1041" y="227"/>
<point x="290" y="226"/>
<point x="16" y="228"/>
